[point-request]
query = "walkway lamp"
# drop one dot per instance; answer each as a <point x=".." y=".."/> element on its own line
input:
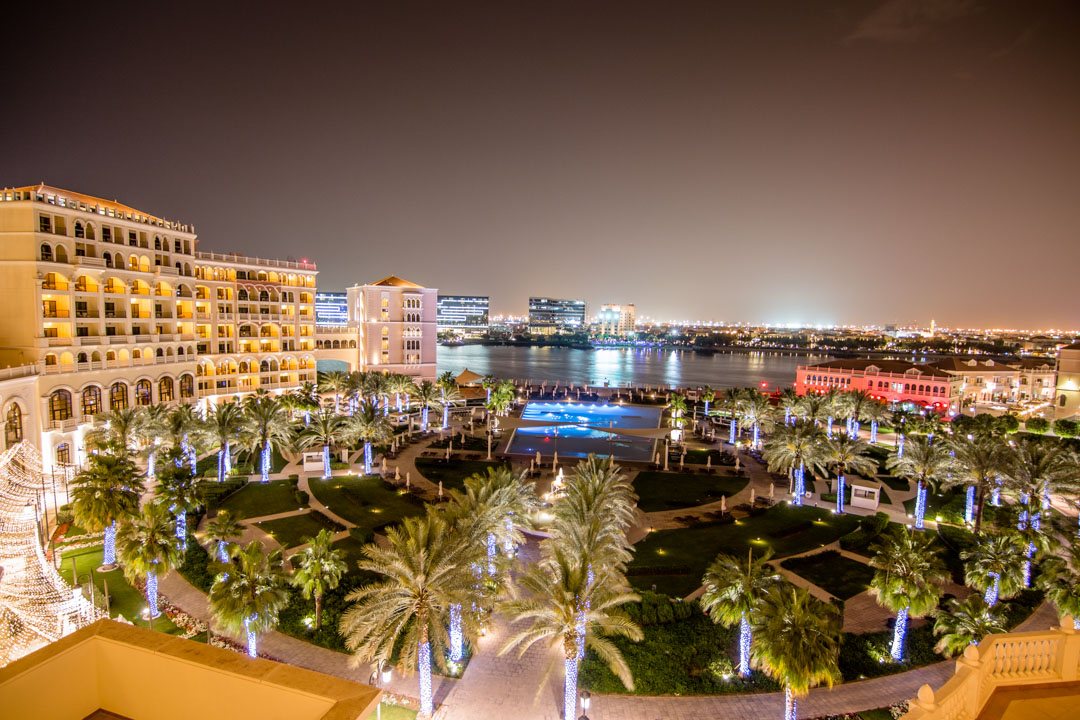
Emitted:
<point x="380" y="676"/>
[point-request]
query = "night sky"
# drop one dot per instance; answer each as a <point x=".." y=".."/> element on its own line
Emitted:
<point x="818" y="162"/>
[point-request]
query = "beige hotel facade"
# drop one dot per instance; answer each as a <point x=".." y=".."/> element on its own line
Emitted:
<point x="103" y="306"/>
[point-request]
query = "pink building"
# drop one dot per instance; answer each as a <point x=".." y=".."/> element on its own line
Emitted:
<point x="889" y="380"/>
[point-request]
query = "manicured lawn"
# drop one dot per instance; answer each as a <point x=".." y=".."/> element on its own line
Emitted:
<point x="295" y="529"/>
<point x="719" y="457"/>
<point x="451" y="474"/>
<point x="671" y="491"/>
<point x="124" y="599"/>
<point x="394" y="712"/>
<point x="367" y="500"/>
<point x="350" y="548"/>
<point x="895" y="483"/>
<point x="257" y="499"/>
<point x="675" y="560"/>
<point x="837" y="575"/>
<point x="948" y="505"/>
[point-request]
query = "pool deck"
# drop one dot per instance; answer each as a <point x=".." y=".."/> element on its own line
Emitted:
<point x="602" y="447"/>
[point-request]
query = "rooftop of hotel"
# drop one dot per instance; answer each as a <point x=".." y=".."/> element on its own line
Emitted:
<point x="90" y="204"/>
<point x="238" y="259"/>
<point x="898" y="367"/>
<point x="395" y="281"/>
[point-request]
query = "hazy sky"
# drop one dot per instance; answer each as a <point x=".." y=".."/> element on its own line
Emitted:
<point x="839" y="161"/>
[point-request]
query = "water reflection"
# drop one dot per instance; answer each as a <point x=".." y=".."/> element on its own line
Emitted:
<point x="618" y="366"/>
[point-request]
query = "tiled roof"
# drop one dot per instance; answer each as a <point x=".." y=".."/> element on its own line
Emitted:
<point x="395" y="281"/>
<point x="898" y="367"/>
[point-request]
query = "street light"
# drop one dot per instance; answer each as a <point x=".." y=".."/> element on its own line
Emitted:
<point x="586" y="698"/>
<point x="380" y="676"/>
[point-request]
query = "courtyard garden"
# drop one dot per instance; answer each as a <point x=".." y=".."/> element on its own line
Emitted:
<point x="671" y="491"/>
<point x="294" y="530"/>
<point x="451" y="474"/>
<point x="368" y="501"/>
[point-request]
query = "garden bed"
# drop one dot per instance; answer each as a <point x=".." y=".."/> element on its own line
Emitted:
<point x="257" y="499"/>
<point x="837" y="575"/>
<point x="367" y="501"/>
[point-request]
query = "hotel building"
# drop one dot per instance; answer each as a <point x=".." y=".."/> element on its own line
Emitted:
<point x="336" y="343"/>
<point x="103" y="307"/>
<point x="1067" y="402"/>
<point x="465" y="314"/>
<point x="947" y="384"/>
<point x="551" y="316"/>
<point x="396" y="324"/>
<point x="618" y="320"/>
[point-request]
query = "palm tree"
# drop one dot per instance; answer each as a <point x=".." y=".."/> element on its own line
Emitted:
<point x="249" y="591"/>
<point x="789" y="401"/>
<point x="319" y="568"/>
<point x="907" y="580"/>
<point x="757" y="412"/>
<point x="553" y="602"/>
<point x="1060" y="581"/>
<point x="488" y="383"/>
<point x="855" y="403"/>
<point x="184" y="431"/>
<point x="179" y="491"/>
<point x="105" y="493"/>
<point x="266" y="426"/>
<point x="117" y="430"/>
<point x="813" y="407"/>
<point x="993" y="566"/>
<point x="793" y="449"/>
<point x="409" y="607"/>
<point x="875" y="413"/>
<point x="224" y="422"/>
<point x="148" y="549"/>
<point x="708" y="395"/>
<point x="834" y="405"/>
<point x="151" y="429"/>
<point x="732" y="401"/>
<point x="902" y="421"/>
<point x="733" y="590"/>
<point x="796" y="642"/>
<point x="964" y="622"/>
<point x="402" y="386"/>
<point x="325" y="431"/>
<point x="369" y="426"/>
<point x="429" y="397"/>
<point x="979" y="461"/>
<point x="926" y="463"/>
<point x="844" y="454"/>
<point x="1035" y="469"/>
<point x="449" y="398"/>
<point x="335" y="381"/>
<point x="222" y="530"/>
<point x="305" y="399"/>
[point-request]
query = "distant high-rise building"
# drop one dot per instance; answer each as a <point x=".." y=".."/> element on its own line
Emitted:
<point x="331" y="309"/>
<point x="463" y="313"/>
<point x="618" y="319"/>
<point x="550" y="316"/>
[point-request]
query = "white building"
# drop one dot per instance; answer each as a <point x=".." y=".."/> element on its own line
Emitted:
<point x="618" y="319"/>
<point x="396" y="320"/>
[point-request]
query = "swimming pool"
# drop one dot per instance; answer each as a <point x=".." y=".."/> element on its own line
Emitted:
<point x="584" y="435"/>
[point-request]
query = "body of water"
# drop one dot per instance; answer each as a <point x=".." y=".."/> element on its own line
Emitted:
<point x="618" y="366"/>
<point x="584" y="428"/>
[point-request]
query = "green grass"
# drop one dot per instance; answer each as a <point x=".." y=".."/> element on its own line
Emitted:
<point x="835" y="574"/>
<point x="895" y="483"/>
<point x="700" y="456"/>
<point x="257" y="499"/>
<point x="350" y="548"/>
<point x="124" y="599"/>
<point x="671" y="491"/>
<point x="295" y="529"/>
<point x="453" y="474"/>
<point x="394" y="712"/>
<point x="675" y="560"/>
<point x="367" y="500"/>
<point x="948" y="505"/>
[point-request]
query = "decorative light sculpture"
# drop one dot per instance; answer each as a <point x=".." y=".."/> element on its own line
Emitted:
<point x="36" y="606"/>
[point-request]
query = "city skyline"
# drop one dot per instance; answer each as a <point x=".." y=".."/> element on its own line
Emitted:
<point x="780" y="163"/>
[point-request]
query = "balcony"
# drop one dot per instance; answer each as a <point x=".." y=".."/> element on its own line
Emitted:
<point x="54" y="285"/>
<point x="63" y="425"/>
<point x="115" y="315"/>
<point x="53" y="314"/>
<point x="93" y="262"/>
<point x="166" y="270"/>
<point x="90" y="340"/>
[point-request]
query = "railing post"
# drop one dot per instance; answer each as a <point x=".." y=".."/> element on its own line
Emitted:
<point x="1070" y="649"/>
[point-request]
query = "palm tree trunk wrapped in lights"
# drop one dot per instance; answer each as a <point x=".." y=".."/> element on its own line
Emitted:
<point x="969" y="505"/>
<point x="266" y="462"/>
<point x="896" y="648"/>
<point x="327" y="473"/>
<point x="733" y="590"/>
<point x="908" y="577"/>
<point x="840" y="495"/>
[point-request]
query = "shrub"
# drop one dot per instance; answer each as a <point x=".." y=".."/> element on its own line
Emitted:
<point x="1066" y="428"/>
<point x="65" y="515"/>
<point x="301" y="497"/>
<point x="1037" y="425"/>
<point x="1009" y="423"/>
<point x="196" y="566"/>
<point x="362" y="534"/>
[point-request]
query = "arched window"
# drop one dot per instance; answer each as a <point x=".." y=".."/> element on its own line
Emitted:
<point x="91" y="401"/>
<point x="143" y="393"/>
<point x="118" y="396"/>
<point x="241" y="294"/>
<point x="60" y="405"/>
<point x="61" y="254"/>
<point x="187" y="387"/>
<point x="264" y="296"/>
<point x="108" y="260"/>
<point x="63" y="454"/>
<point x="13" y="427"/>
<point x="46" y="252"/>
<point x="79" y="233"/>
<point x="177" y="247"/>
<point x="165" y="389"/>
<point x="157" y="243"/>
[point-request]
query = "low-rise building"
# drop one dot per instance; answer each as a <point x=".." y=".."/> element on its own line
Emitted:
<point x="888" y="380"/>
<point x="463" y="314"/>
<point x="619" y="320"/>
<point x="1067" y="391"/>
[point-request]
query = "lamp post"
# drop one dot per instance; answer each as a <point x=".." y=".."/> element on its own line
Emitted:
<point x="380" y="676"/>
<point x="586" y="698"/>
